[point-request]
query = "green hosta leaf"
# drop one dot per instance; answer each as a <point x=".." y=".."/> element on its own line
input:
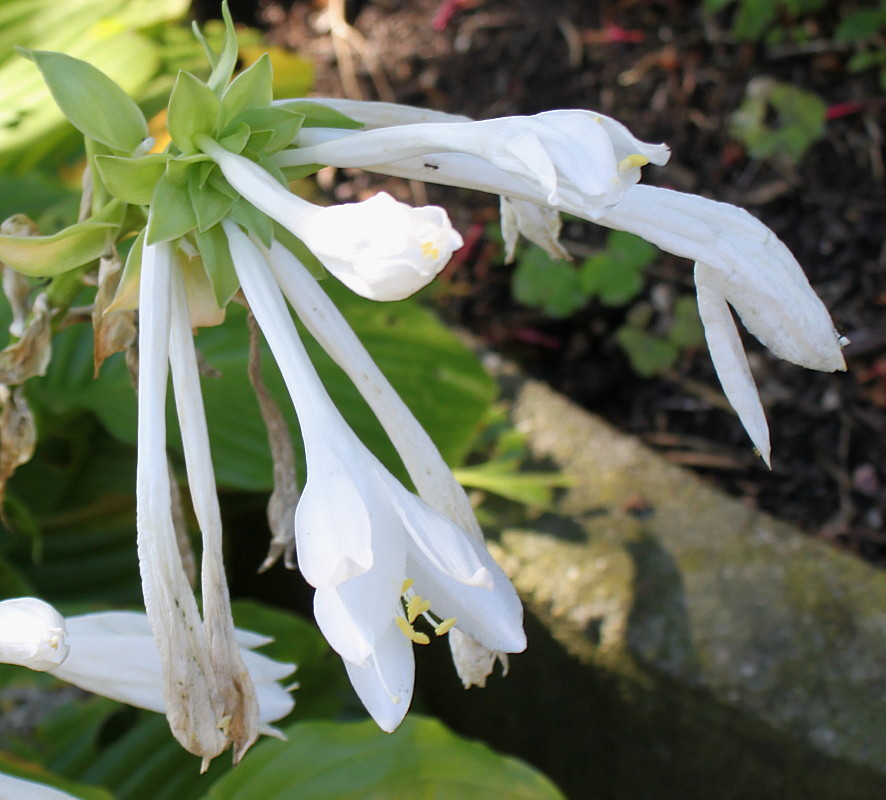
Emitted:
<point x="861" y="24"/>
<point x="132" y="180"/>
<point x="250" y="89"/>
<point x="193" y="109"/>
<point x="422" y="760"/>
<point x="213" y="246"/>
<point x="72" y="247"/>
<point x="320" y="116"/>
<point x="172" y="214"/>
<point x="648" y="354"/>
<point x="91" y="101"/>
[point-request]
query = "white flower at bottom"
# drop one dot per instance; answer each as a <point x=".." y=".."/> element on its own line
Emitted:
<point x="113" y="653"/>
<point x="13" y="788"/>
<point x="378" y="555"/>
<point x="32" y="634"/>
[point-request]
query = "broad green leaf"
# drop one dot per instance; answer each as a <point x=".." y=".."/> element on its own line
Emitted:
<point x="613" y="282"/>
<point x="320" y="116"/>
<point x="250" y="89"/>
<point x="213" y="246"/>
<point x="861" y="24"/>
<point x="72" y="247"/>
<point x="237" y="139"/>
<point x="92" y="102"/>
<point x="552" y="286"/>
<point x="132" y="180"/>
<point x="193" y="109"/>
<point x="126" y="298"/>
<point x="631" y="250"/>
<point x="172" y="214"/>
<point x="422" y="760"/>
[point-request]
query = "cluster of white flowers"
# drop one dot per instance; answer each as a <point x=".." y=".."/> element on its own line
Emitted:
<point x="380" y="557"/>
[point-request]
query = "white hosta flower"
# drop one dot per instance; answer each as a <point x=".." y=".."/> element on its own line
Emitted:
<point x="113" y="653"/>
<point x="430" y="474"/>
<point x="362" y="539"/>
<point x="380" y="248"/>
<point x="573" y="160"/>
<point x="539" y="224"/>
<point x="743" y="264"/>
<point x="32" y="634"/>
<point x="13" y="788"/>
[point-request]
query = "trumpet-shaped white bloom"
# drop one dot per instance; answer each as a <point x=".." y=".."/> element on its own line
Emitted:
<point x="573" y="160"/>
<point x="32" y="634"/>
<point x="113" y="653"/>
<point x="363" y="541"/>
<point x="739" y="263"/>
<point x="12" y="788"/>
<point x="379" y="248"/>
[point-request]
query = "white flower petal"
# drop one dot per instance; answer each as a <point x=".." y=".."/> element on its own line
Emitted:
<point x="748" y="266"/>
<point x="730" y="361"/>
<point x="384" y="683"/>
<point x="539" y="224"/>
<point x="13" y="788"/>
<point x="494" y="617"/>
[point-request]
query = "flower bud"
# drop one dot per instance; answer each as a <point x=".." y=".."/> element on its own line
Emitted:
<point x="32" y="634"/>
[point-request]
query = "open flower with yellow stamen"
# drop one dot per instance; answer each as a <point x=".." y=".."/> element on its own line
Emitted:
<point x="378" y="555"/>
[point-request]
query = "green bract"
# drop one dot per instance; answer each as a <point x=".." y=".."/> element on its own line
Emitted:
<point x="92" y="102"/>
<point x="179" y="194"/>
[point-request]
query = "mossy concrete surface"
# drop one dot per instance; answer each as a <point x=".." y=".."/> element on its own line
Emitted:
<point x="682" y="645"/>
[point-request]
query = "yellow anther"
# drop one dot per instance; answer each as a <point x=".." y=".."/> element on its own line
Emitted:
<point x="635" y="160"/>
<point x="411" y="633"/>
<point x="416" y="606"/>
<point x="407" y="585"/>
<point x="429" y="251"/>
<point x="444" y="627"/>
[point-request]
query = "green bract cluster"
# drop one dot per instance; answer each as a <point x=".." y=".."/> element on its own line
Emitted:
<point x="180" y="192"/>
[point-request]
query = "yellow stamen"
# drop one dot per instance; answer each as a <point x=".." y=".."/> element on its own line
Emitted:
<point x="411" y="633"/>
<point x="416" y="606"/>
<point x="444" y="627"/>
<point x="429" y="251"/>
<point x="635" y="160"/>
<point x="407" y="585"/>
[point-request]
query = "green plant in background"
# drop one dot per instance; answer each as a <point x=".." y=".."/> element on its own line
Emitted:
<point x="757" y="19"/>
<point x="559" y="289"/>
<point x="800" y="120"/>
<point x="614" y="277"/>
<point x="865" y="30"/>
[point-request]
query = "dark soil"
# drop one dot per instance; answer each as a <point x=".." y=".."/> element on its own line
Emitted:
<point x="673" y="74"/>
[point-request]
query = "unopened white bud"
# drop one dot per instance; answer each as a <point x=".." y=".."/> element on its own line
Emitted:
<point x="32" y="634"/>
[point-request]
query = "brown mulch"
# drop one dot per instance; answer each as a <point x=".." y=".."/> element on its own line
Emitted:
<point x="673" y="74"/>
